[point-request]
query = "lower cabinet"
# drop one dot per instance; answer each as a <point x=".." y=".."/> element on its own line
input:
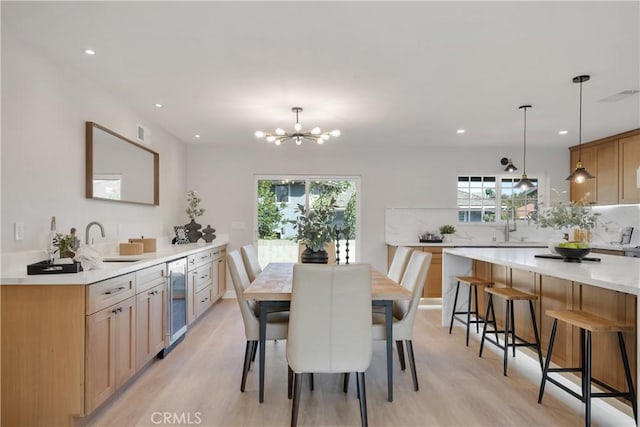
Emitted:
<point x="151" y="313"/>
<point x="110" y="351"/>
<point x="203" y="300"/>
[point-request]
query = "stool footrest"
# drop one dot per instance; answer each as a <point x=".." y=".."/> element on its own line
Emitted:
<point x="564" y="370"/>
<point x="464" y="322"/>
<point x="611" y="393"/>
<point x="565" y="388"/>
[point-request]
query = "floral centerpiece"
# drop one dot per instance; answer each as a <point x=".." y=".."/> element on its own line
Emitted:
<point x="562" y="215"/>
<point x="63" y="244"/>
<point x="314" y="229"/>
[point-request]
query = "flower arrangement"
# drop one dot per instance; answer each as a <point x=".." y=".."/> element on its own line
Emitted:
<point x="314" y="227"/>
<point x="193" y="209"/>
<point x="565" y="215"/>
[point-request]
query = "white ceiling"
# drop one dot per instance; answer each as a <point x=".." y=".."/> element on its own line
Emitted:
<point x="384" y="73"/>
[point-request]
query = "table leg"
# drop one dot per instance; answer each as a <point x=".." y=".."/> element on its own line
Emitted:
<point x="261" y="343"/>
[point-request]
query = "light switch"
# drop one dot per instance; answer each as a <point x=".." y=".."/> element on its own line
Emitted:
<point x="18" y="231"/>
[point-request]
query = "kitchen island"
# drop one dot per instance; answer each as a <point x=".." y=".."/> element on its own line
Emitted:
<point x="608" y="288"/>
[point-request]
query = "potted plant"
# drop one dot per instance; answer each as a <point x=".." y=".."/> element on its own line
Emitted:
<point x="193" y="211"/>
<point x="446" y="230"/>
<point x="64" y="245"/>
<point x="314" y="229"/>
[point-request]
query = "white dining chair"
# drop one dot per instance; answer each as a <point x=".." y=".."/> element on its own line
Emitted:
<point x="404" y="312"/>
<point x="277" y="323"/>
<point x="250" y="260"/>
<point x="330" y="329"/>
<point x="399" y="263"/>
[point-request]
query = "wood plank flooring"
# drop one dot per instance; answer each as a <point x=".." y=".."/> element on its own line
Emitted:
<point x="199" y="384"/>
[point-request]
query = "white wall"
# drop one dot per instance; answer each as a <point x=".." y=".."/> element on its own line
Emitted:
<point x="44" y="109"/>
<point x="426" y="177"/>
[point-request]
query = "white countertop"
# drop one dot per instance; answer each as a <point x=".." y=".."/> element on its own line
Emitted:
<point x="463" y="244"/>
<point x="111" y="269"/>
<point x="612" y="272"/>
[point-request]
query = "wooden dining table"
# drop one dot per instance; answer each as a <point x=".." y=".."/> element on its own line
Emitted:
<point x="272" y="288"/>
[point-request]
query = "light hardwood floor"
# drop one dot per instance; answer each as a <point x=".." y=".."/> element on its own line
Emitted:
<point x="199" y="384"/>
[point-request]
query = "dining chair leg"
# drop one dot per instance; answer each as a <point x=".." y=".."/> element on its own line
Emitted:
<point x="412" y="364"/>
<point x="289" y="382"/>
<point x="245" y="365"/>
<point x="400" y="354"/>
<point x="296" y="398"/>
<point x="311" y="382"/>
<point x="345" y="385"/>
<point x="254" y="350"/>
<point x="358" y="385"/>
<point x="363" y="399"/>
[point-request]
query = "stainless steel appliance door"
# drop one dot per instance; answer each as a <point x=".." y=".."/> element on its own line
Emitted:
<point x="177" y="304"/>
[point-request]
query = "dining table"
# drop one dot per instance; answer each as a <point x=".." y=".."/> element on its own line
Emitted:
<point x="272" y="289"/>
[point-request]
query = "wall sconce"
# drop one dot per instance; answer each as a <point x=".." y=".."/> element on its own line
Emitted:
<point x="510" y="167"/>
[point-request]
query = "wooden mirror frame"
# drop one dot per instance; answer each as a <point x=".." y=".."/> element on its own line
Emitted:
<point x="89" y="129"/>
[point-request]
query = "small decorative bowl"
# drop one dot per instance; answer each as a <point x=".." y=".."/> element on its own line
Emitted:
<point x="571" y="254"/>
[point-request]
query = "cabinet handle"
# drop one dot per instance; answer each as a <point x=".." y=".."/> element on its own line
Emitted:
<point x="114" y="290"/>
<point x="117" y="310"/>
<point x="204" y="276"/>
<point x="153" y="292"/>
<point x="204" y="300"/>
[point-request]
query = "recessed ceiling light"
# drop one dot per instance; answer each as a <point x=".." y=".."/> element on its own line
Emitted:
<point x="158" y="105"/>
<point x="460" y="131"/>
<point x="563" y="132"/>
<point x="90" y="51"/>
<point x="197" y="135"/>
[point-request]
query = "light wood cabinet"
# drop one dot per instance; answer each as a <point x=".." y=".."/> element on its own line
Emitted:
<point x="206" y="281"/>
<point x="614" y="162"/>
<point x="110" y="351"/>
<point x="203" y="300"/>
<point x="629" y="150"/>
<point x="151" y="312"/>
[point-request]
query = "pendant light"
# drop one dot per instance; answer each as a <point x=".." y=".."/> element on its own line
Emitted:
<point x="580" y="174"/>
<point x="524" y="182"/>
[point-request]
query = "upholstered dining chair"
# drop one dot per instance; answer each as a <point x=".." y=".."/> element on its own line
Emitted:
<point x="399" y="263"/>
<point x="277" y="323"/>
<point x="330" y="328"/>
<point x="251" y="264"/>
<point x="404" y="312"/>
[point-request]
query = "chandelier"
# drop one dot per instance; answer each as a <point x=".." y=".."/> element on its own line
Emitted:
<point x="280" y="136"/>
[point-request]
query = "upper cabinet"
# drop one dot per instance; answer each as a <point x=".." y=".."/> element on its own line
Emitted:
<point x="614" y="161"/>
<point x="629" y="150"/>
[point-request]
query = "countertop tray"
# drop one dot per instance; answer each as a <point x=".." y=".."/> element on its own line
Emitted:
<point x="550" y="256"/>
<point x="431" y="241"/>
<point x="45" y="267"/>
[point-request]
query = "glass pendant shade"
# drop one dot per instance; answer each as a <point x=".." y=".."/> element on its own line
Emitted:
<point x="580" y="174"/>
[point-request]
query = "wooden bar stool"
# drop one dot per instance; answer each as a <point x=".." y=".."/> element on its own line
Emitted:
<point x="510" y="295"/>
<point x="473" y="283"/>
<point x="588" y="323"/>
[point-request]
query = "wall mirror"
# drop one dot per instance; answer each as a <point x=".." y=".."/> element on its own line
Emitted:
<point x="119" y="169"/>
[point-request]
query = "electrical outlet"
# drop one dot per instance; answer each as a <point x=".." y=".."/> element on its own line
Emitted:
<point x="18" y="231"/>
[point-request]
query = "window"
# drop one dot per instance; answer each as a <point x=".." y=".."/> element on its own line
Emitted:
<point x="478" y="201"/>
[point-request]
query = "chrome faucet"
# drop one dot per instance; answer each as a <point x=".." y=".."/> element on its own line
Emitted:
<point x="86" y="231"/>
<point x="507" y="227"/>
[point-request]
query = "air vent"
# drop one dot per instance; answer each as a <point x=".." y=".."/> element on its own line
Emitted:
<point x="144" y="135"/>
<point x="620" y="95"/>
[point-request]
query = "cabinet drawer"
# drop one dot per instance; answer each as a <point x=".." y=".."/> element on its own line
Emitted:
<point x="197" y="259"/>
<point x="109" y="292"/>
<point x="218" y="253"/>
<point x="147" y="278"/>
<point x="202" y="276"/>
<point x="203" y="300"/>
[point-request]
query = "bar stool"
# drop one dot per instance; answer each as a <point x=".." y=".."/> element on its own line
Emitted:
<point x="473" y="283"/>
<point x="588" y="323"/>
<point x="510" y="295"/>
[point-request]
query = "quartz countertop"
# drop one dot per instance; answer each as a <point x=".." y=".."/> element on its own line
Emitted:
<point x="463" y="244"/>
<point x="111" y="269"/>
<point x="613" y="272"/>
